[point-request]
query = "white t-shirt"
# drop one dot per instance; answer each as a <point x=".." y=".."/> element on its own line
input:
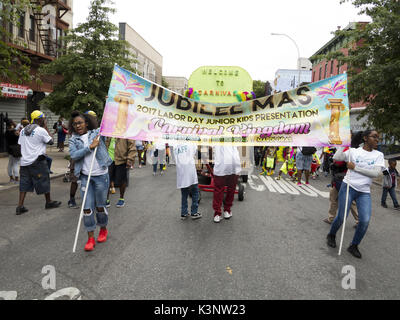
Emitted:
<point x="159" y="145"/>
<point x="96" y="170"/>
<point x="365" y="160"/>
<point x="186" y="174"/>
<point x="226" y="160"/>
<point x="34" y="145"/>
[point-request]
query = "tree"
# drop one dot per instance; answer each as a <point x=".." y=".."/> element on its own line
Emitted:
<point x="374" y="64"/>
<point x="87" y="63"/>
<point x="164" y="83"/>
<point x="259" y="88"/>
<point x="14" y="65"/>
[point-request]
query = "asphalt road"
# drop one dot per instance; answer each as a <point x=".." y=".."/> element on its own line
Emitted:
<point x="273" y="247"/>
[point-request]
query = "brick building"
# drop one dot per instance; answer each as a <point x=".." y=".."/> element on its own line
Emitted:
<point x="38" y="36"/>
<point x="322" y="69"/>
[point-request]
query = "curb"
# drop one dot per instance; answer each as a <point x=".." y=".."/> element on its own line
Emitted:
<point x="7" y="188"/>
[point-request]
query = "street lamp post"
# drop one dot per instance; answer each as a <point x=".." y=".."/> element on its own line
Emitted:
<point x="297" y="47"/>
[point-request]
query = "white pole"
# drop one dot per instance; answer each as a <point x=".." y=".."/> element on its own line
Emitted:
<point x="345" y="210"/>
<point x="84" y="199"/>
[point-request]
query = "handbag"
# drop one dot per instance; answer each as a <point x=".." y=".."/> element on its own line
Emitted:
<point x="15" y="150"/>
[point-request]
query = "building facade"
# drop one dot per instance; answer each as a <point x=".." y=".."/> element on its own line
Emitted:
<point x="322" y="69"/>
<point x="38" y="36"/>
<point x="149" y="61"/>
<point x="287" y="79"/>
<point x="177" y="84"/>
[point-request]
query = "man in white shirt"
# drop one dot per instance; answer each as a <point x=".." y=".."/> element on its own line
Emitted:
<point x="226" y="173"/>
<point x="34" y="172"/>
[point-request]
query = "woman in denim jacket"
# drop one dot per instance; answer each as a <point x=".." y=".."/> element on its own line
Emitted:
<point x="85" y="138"/>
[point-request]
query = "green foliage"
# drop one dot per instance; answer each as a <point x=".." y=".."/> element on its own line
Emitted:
<point x="164" y="83"/>
<point x="374" y="64"/>
<point x="87" y="63"/>
<point x="261" y="88"/>
<point x="14" y="65"/>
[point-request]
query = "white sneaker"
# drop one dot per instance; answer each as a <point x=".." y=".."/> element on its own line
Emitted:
<point x="154" y="174"/>
<point x="227" y="215"/>
<point x="217" y="218"/>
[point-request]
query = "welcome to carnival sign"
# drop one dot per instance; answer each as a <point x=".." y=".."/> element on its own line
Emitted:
<point x="316" y="114"/>
<point x="14" y="90"/>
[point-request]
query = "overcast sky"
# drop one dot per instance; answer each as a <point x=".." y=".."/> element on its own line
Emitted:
<point x="194" y="33"/>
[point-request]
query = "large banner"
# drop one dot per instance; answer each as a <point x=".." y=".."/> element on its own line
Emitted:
<point x="316" y="115"/>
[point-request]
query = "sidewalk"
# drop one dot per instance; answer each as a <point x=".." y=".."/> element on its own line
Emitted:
<point x="59" y="166"/>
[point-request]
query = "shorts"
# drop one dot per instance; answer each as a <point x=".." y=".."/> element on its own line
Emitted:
<point x="303" y="162"/>
<point x="118" y="174"/>
<point x="35" y="177"/>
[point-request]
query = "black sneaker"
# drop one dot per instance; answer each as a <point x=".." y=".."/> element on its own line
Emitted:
<point x="21" y="210"/>
<point x="397" y="207"/>
<point x="331" y="240"/>
<point x="52" y="204"/>
<point x="184" y="217"/>
<point x="72" y="204"/>
<point x="353" y="249"/>
<point x="196" y="216"/>
<point x="384" y="205"/>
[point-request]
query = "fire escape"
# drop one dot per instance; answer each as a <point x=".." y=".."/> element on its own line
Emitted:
<point x="47" y="37"/>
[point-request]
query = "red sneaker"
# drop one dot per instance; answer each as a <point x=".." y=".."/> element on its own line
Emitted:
<point x="90" y="244"/>
<point x="102" y="235"/>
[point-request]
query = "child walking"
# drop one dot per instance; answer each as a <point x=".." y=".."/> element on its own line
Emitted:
<point x="289" y="166"/>
<point x="268" y="163"/>
<point x="186" y="178"/>
<point x="390" y="176"/>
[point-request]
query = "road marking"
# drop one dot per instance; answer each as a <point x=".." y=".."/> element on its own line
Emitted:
<point x="254" y="186"/>
<point x="289" y="187"/>
<point x="284" y="186"/>
<point x="271" y="184"/>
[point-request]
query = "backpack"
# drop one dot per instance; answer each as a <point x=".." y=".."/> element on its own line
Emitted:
<point x="307" y="151"/>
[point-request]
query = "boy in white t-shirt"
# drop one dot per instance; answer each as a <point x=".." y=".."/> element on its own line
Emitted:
<point x="186" y="178"/>
<point x="227" y="167"/>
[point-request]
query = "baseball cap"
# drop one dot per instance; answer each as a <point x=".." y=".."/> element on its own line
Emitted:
<point x="36" y="115"/>
<point x="92" y="113"/>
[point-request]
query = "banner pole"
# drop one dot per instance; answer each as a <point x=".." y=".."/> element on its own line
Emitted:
<point x="84" y="200"/>
<point x="345" y="211"/>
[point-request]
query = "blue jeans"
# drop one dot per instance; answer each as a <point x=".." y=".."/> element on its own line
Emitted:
<point x="392" y="192"/>
<point x="155" y="167"/>
<point x="363" y="202"/>
<point x="195" y="199"/>
<point x="49" y="161"/>
<point x="96" y="198"/>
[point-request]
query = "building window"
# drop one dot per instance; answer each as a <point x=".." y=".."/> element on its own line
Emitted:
<point x="32" y="29"/>
<point x="21" y="27"/>
<point x="331" y="67"/>
<point x="338" y="68"/>
<point x="320" y="73"/>
<point x="326" y="68"/>
<point x="313" y="77"/>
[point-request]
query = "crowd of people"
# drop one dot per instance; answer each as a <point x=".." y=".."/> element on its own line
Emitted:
<point x="108" y="161"/>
